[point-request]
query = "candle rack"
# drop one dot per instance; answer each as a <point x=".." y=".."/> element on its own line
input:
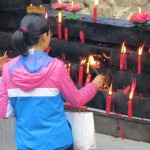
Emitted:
<point x="104" y="38"/>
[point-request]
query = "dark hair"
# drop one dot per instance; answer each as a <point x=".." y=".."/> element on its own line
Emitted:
<point x="32" y="27"/>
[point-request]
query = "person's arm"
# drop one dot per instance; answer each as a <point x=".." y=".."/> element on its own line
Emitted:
<point x="74" y="96"/>
<point x="6" y="110"/>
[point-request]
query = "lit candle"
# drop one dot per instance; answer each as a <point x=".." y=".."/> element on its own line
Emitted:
<point x="140" y="59"/>
<point x="95" y="11"/>
<point x="80" y="79"/>
<point x="31" y="9"/>
<point x="69" y="69"/>
<point x="80" y="75"/>
<point x="59" y="25"/>
<point x="123" y="57"/>
<point x="130" y="106"/>
<point x="109" y="100"/>
<point x="66" y="34"/>
<point x="40" y="9"/>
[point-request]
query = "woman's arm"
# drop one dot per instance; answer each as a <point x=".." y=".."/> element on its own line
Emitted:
<point x="74" y="96"/>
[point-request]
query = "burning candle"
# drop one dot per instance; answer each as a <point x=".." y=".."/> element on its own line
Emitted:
<point x="80" y="79"/>
<point x="69" y="68"/>
<point x="40" y="9"/>
<point x="59" y="25"/>
<point x="140" y="59"/>
<point x="130" y="106"/>
<point x="66" y="34"/>
<point x="109" y="100"/>
<point x="31" y="9"/>
<point x="140" y="17"/>
<point x="123" y="57"/>
<point x="95" y="11"/>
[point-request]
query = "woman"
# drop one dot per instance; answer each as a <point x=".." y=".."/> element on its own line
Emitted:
<point x="32" y="88"/>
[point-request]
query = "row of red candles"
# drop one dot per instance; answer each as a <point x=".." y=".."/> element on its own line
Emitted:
<point x="109" y="96"/>
<point x="81" y="33"/>
<point x="123" y="55"/>
<point x="123" y="59"/>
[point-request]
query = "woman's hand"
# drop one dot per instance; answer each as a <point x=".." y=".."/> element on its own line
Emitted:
<point x="99" y="80"/>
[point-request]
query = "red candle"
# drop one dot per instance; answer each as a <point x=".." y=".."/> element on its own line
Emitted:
<point x="125" y="61"/>
<point x="82" y="37"/>
<point x="94" y="14"/>
<point x="59" y="31"/>
<point x="109" y="100"/>
<point x="140" y="59"/>
<point x="48" y="50"/>
<point x="121" y="61"/>
<point x="123" y="57"/>
<point x="88" y="79"/>
<point x="129" y="109"/>
<point x="66" y="34"/>
<point x="108" y="104"/>
<point x="80" y="80"/>
<point x="59" y="25"/>
<point x="133" y="87"/>
<point x="130" y="106"/>
<point x="139" y="64"/>
<point x="95" y="11"/>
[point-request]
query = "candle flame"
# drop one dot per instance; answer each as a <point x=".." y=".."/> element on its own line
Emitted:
<point x="46" y="15"/>
<point x="140" y="11"/>
<point x="83" y="61"/>
<point x="72" y="2"/>
<point x="30" y="4"/>
<point x="110" y="90"/>
<point x="59" y="1"/>
<point x="69" y="65"/>
<point x="131" y="95"/>
<point x="59" y="16"/>
<point x="91" y="62"/>
<point x="123" y="49"/>
<point x="96" y="2"/>
<point x="140" y="50"/>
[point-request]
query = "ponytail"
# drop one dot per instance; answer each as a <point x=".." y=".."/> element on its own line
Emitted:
<point x="19" y="43"/>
